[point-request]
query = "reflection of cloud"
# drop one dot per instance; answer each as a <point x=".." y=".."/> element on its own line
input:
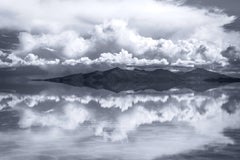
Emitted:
<point x="123" y="101"/>
<point x="71" y="117"/>
<point x="12" y="100"/>
<point x="201" y="112"/>
<point x="131" y="110"/>
<point x="139" y="120"/>
<point x="129" y="122"/>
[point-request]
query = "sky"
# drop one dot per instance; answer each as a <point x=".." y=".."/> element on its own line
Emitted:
<point x="59" y="37"/>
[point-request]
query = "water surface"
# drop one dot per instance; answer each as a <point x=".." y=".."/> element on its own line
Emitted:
<point x="47" y="121"/>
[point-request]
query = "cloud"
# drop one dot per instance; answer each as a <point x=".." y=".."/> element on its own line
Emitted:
<point x="149" y="17"/>
<point x="117" y="33"/>
<point x="115" y="36"/>
<point x="68" y="43"/>
<point x="121" y="58"/>
<point x="30" y="59"/>
<point x="232" y="53"/>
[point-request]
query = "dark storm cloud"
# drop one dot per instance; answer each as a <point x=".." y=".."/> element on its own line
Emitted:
<point x="233" y="54"/>
<point x="8" y="40"/>
<point x="231" y="7"/>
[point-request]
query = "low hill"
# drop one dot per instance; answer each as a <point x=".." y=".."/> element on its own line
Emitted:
<point x="118" y="79"/>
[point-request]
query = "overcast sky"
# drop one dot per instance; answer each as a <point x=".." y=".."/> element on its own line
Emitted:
<point x="60" y="36"/>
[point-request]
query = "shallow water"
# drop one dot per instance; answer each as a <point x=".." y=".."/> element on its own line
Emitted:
<point x="47" y="121"/>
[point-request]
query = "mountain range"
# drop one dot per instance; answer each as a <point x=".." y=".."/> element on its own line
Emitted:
<point x="118" y="79"/>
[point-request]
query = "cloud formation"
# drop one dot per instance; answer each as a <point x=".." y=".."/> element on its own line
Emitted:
<point x="58" y="15"/>
<point x="117" y="33"/>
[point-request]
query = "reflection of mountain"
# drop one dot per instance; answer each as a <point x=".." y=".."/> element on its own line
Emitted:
<point x="120" y="80"/>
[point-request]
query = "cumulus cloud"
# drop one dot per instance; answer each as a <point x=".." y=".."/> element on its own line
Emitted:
<point x="115" y="36"/>
<point x="121" y="58"/>
<point x="30" y="59"/>
<point x="117" y="33"/>
<point x="68" y="43"/>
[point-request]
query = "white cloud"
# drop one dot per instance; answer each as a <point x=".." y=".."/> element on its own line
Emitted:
<point x="149" y="17"/>
<point x="117" y="33"/>
<point x="114" y="36"/>
<point x="29" y="60"/>
<point x="68" y="43"/>
<point x="122" y="58"/>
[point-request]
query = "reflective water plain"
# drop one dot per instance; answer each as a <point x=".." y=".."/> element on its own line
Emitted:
<point x="46" y="121"/>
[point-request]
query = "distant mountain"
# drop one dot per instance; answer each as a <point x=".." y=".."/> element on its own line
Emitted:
<point x="118" y="79"/>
